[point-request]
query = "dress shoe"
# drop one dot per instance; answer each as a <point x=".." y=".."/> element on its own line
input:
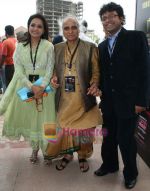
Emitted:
<point x="102" y="172"/>
<point x="130" y="183"/>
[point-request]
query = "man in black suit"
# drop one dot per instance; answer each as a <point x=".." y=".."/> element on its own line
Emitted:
<point x="124" y="62"/>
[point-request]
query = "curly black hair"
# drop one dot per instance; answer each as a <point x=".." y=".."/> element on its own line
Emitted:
<point x="112" y="7"/>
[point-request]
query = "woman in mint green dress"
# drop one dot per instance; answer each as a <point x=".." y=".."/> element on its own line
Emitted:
<point x="33" y="59"/>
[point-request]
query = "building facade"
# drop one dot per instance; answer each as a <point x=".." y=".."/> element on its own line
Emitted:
<point x="55" y="10"/>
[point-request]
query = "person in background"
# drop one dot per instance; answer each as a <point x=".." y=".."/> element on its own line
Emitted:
<point x="1" y="84"/>
<point x="124" y="64"/>
<point x="76" y="78"/>
<point x="33" y="59"/>
<point x="21" y="36"/>
<point x="2" y="71"/>
<point x="57" y="39"/>
<point x="83" y="31"/>
<point x="8" y="49"/>
<point x="0" y="48"/>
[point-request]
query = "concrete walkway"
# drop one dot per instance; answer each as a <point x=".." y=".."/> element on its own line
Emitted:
<point x="18" y="174"/>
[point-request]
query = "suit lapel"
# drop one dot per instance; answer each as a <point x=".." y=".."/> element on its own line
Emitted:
<point x="119" y="42"/>
<point x="106" y="48"/>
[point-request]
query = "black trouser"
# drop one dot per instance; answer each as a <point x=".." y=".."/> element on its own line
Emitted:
<point x="9" y="72"/>
<point x="120" y="132"/>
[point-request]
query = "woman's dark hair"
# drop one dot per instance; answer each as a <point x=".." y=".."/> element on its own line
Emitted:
<point x="112" y="7"/>
<point x="45" y="25"/>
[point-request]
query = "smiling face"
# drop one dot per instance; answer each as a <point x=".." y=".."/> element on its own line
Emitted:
<point x="36" y="28"/>
<point x="111" y="22"/>
<point x="71" y="30"/>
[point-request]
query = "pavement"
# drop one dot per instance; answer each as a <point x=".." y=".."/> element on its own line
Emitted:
<point x="18" y="174"/>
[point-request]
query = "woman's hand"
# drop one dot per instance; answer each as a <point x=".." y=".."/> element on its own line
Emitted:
<point x="38" y="91"/>
<point x="93" y="90"/>
<point x="54" y="82"/>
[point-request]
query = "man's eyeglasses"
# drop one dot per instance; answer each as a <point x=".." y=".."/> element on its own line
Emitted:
<point x="110" y="18"/>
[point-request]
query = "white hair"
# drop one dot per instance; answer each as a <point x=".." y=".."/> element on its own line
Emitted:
<point x="70" y="17"/>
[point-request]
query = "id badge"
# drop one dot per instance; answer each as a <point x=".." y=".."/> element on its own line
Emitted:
<point x="69" y="83"/>
<point x="33" y="77"/>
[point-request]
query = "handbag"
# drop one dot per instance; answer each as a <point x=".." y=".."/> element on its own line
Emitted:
<point x="142" y="135"/>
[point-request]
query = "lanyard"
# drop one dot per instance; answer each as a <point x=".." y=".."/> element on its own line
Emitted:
<point x="34" y="60"/>
<point x="72" y="55"/>
<point x="111" y="49"/>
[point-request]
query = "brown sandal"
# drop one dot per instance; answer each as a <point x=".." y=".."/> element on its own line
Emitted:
<point x="83" y="163"/>
<point x="63" y="163"/>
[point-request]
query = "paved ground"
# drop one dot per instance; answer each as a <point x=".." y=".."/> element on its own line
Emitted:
<point x="18" y="174"/>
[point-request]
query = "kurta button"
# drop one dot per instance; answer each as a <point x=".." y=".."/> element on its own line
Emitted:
<point x="113" y="90"/>
<point x="111" y="77"/>
<point x="111" y="64"/>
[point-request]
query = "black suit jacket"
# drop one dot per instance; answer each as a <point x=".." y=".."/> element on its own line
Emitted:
<point x="124" y="76"/>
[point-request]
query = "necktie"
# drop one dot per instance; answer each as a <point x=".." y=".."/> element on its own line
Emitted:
<point x="111" y="45"/>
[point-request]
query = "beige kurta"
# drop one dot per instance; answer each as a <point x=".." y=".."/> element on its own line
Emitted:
<point x="76" y="125"/>
<point x="71" y="111"/>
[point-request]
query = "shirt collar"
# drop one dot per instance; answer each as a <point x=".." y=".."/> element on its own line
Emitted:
<point x="115" y="35"/>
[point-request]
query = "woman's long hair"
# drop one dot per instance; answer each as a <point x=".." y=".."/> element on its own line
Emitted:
<point x="45" y="25"/>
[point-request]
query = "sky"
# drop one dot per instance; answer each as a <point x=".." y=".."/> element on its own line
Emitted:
<point x="17" y="12"/>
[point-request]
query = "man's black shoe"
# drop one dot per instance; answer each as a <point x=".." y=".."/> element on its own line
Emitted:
<point x="130" y="183"/>
<point x="102" y="172"/>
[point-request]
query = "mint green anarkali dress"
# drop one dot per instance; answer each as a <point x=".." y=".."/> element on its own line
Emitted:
<point x="22" y="118"/>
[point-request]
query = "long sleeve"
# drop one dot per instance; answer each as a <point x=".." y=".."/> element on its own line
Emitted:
<point x="49" y="66"/>
<point x="143" y="68"/>
<point x="95" y="66"/>
<point x="19" y="67"/>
